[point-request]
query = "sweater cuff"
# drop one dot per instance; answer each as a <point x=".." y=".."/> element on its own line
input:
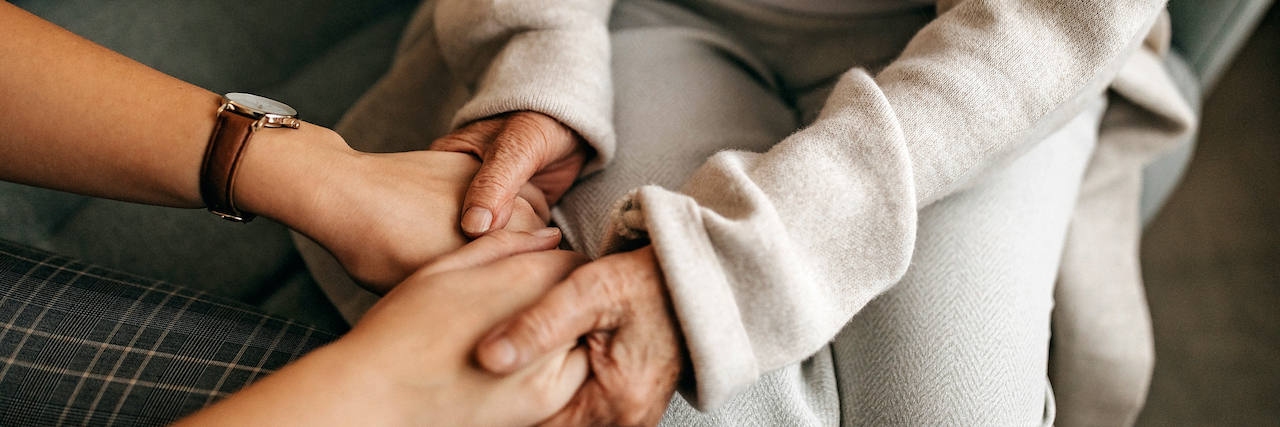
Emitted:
<point x="724" y="362"/>
<point x="554" y="73"/>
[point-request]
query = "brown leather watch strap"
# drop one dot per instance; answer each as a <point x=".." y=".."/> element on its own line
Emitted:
<point x="231" y="135"/>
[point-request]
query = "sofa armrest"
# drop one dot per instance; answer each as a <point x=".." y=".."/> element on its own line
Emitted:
<point x="1209" y="33"/>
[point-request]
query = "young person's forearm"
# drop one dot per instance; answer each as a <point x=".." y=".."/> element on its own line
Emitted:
<point x="409" y="360"/>
<point x="322" y="389"/>
<point x="78" y="117"/>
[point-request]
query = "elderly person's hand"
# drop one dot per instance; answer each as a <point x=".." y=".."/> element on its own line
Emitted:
<point x="619" y="305"/>
<point x="517" y="149"/>
<point x="409" y="360"/>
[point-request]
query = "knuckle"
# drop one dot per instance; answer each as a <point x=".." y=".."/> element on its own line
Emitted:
<point x="556" y="135"/>
<point x="546" y="128"/>
<point x="450" y="142"/>
<point x="522" y="146"/>
<point x="463" y="141"/>
<point x="601" y="282"/>
<point x="537" y="328"/>
<point x="492" y="184"/>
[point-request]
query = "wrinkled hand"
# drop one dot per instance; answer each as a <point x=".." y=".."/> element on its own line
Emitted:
<point x="620" y="306"/>
<point x="516" y="149"/>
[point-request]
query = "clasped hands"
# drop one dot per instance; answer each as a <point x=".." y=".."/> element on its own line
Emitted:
<point x="617" y="307"/>
<point x="615" y="310"/>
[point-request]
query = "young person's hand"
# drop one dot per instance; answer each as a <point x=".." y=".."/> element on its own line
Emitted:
<point x="141" y="136"/>
<point x="382" y="215"/>
<point x="519" y="150"/>
<point x="408" y="361"/>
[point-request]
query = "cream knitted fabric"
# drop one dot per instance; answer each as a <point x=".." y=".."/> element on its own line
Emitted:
<point x="768" y="255"/>
<point x="550" y="56"/>
<point x="770" y="233"/>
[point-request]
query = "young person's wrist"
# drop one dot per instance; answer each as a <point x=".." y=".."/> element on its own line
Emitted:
<point x="283" y="172"/>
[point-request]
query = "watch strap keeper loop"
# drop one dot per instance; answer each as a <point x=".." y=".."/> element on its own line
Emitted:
<point x="231" y="134"/>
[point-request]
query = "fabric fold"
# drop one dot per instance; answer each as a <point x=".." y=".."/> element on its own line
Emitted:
<point x="809" y="232"/>
<point x="1103" y="348"/>
<point x="762" y="267"/>
<point x="768" y="255"/>
<point x="551" y="57"/>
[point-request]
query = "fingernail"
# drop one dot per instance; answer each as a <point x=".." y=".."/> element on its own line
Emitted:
<point x="547" y="232"/>
<point x="476" y="220"/>
<point x="501" y="355"/>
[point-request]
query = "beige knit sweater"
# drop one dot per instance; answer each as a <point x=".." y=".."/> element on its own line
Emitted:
<point x="767" y="256"/>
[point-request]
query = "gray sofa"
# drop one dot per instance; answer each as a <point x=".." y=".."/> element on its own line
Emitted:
<point x="319" y="56"/>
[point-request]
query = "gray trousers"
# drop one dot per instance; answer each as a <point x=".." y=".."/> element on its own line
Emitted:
<point x="964" y="338"/>
<point x="82" y="345"/>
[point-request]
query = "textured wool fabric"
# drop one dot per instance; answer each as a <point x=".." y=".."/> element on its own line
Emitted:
<point x="757" y="249"/>
<point x="81" y="345"/>
<point x="974" y="306"/>
<point x="961" y="339"/>
<point x="768" y="253"/>
<point x="1103" y="352"/>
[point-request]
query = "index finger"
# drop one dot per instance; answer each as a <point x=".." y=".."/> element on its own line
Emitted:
<point x="580" y="304"/>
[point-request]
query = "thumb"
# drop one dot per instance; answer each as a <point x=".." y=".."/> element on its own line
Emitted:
<point x="515" y="155"/>
<point x="572" y="309"/>
<point x="538" y="391"/>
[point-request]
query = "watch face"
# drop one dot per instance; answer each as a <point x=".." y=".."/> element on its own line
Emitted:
<point x="260" y="104"/>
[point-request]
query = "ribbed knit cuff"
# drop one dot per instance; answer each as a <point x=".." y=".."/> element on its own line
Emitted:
<point x="551" y="72"/>
<point x="724" y="362"/>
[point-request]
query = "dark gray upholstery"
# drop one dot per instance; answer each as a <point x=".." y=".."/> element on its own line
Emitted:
<point x="318" y="56"/>
<point x="1209" y="33"/>
<point x="1206" y="36"/>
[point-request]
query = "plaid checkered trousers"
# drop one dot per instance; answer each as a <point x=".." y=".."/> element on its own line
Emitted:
<point x="81" y="345"/>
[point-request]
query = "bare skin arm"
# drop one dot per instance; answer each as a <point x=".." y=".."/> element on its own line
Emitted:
<point x="77" y="117"/>
<point x="81" y="118"/>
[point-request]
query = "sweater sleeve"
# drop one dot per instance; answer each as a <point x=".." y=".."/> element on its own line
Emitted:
<point x="768" y="255"/>
<point x="549" y="56"/>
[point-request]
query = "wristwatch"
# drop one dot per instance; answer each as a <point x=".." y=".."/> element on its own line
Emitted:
<point x="240" y="116"/>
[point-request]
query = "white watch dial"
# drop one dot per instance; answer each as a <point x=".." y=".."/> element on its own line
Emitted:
<point x="261" y="104"/>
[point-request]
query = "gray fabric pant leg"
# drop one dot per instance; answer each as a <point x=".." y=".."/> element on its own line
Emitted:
<point x="963" y="340"/>
<point x="81" y="345"/>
